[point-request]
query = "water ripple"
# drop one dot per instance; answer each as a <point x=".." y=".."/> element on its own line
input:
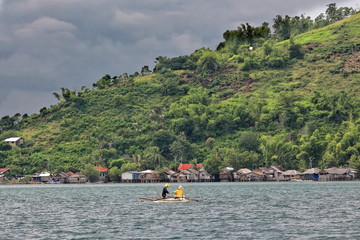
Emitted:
<point x="228" y="211"/>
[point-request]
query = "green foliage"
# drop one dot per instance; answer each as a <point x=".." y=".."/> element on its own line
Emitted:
<point x="115" y="174"/>
<point x="291" y="103"/>
<point x="209" y="62"/>
<point x="90" y="172"/>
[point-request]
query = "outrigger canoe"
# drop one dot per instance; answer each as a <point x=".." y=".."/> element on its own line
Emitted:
<point x="169" y="199"/>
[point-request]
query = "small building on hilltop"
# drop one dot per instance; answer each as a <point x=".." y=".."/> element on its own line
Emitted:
<point x="14" y="141"/>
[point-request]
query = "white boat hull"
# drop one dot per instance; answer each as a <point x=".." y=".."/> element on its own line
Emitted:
<point x="167" y="200"/>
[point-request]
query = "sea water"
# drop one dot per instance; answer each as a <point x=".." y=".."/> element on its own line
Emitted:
<point x="290" y="210"/>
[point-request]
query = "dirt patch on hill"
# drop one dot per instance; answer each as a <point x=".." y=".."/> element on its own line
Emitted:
<point x="249" y="82"/>
<point x="353" y="63"/>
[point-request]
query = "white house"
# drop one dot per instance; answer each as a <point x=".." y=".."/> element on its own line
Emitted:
<point x="130" y="176"/>
<point x="14" y="141"/>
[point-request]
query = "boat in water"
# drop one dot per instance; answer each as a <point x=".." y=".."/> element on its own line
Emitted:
<point x="169" y="200"/>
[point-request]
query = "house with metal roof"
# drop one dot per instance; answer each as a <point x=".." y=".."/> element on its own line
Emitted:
<point x="130" y="176"/>
<point x="103" y="174"/>
<point x="14" y="141"/>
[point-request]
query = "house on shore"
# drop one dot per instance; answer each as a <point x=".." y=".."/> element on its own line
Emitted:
<point x="290" y="175"/>
<point x="14" y="141"/>
<point x="130" y="177"/>
<point x="2" y="173"/>
<point x="242" y="175"/>
<point x="276" y="171"/>
<point x="77" y="178"/>
<point x="311" y="174"/>
<point x="338" y="174"/>
<point x="262" y="174"/>
<point x="170" y="175"/>
<point x="103" y="174"/>
<point x="204" y="176"/>
<point x="149" y="176"/>
<point x="227" y="174"/>
<point x="61" y="177"/>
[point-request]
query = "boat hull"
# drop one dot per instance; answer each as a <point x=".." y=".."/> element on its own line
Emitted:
<point x="166" y="200"/>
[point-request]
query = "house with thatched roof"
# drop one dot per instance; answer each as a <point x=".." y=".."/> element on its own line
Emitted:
<point x="290" y="175"/>
<point x="170" y="175"/>
<point x="338" y="174"/>
<point x="192" y="175"/>
<point x="77" y="178"/>
<point x="181" y="176"/>
<point x="276" y="171"/>
<point x="242" y="175"/>
<point x="61" y="177"/>
<point x="227" y="174"/>
<point x="311" y="174"/>
<point x="261" y="174"/>
<point x="204" y="176"/>
<point x="149" y="176"/>
<point x="257" y="176"/>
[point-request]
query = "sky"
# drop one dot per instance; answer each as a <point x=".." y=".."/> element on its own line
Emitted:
<point x="49" y="44"/>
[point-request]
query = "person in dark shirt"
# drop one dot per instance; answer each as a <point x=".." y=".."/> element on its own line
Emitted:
<point x="165" y="191"/>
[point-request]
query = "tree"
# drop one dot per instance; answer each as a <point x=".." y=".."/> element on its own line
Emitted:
<point x="295" y="50"/>
<point x="249" y="141"/>
<point x="153" y="157"/>
<point x="282" y="27"/>
<point x="129" y="167"/>
<point x="181" y="149"/>
<point x="115" y="174"/>
<point x="214" y="162"/>
<point x="208" y="62"/>
<point x="145" y="70"/>
<point x="90" y="172"/>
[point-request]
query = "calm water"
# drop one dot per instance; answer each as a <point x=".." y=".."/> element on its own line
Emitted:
<point x="300" y="210"/>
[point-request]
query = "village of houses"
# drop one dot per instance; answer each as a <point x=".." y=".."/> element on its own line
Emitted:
<point x="190" y="173"/>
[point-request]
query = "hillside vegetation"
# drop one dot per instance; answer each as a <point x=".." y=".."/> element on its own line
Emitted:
<point x="290" y="98"/>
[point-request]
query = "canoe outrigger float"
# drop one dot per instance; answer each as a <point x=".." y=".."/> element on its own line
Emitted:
<point x="169" y="199"/>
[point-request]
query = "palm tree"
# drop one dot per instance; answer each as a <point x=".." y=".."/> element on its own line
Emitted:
<point x="153" y="156"/>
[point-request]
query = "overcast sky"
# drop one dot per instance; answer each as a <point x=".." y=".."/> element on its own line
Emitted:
<point x="49" y="44"/>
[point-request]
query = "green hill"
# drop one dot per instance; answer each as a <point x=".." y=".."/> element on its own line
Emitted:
<point x="276" y="103"/>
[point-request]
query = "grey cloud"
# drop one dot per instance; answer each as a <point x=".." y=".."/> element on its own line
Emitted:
<point x="45" y="45"/>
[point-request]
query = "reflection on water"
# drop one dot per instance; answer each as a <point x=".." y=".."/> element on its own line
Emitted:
<point x="229" y="211"/>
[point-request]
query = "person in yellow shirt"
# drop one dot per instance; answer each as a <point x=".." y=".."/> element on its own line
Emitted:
<point x="179" y="192"/>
